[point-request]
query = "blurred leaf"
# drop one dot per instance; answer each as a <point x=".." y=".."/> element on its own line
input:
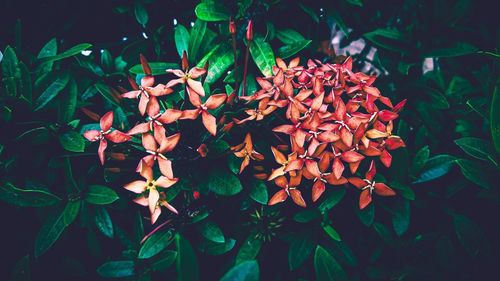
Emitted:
<point x="105" y="92"/>
<point x="141" y="14"/>
<point x="72" y="141"/>
<point x="495" y="118"/>
<point x="326" y="267"/>
<point x="300" y="249"/>
<point x="420" y="159"/>
<point x="470" y="235"/>
<point x="187" y="266"/>
<point x="21" y="271"/>
<point x="404" y="190"/>
<point x="289" y="36"/>
<point x="52" y="91"/>
<point x="167" y="259"/>
<point x="290" y="50"/>
<point x="211" y="11"/>
<point x="390" y="39"/>
<point x="67" y="107"/>
<point x="10" y="63"/>
<point x="340" y="21"/>
<point x="332" y="232"/>
<point x="196" y="39"/>
<point x="384" y="233"/>
<point x="26" y="197"/>
<point x="155" y="244"/>
<point x="106" y="60"/>
<point x="215" y="249"/>
<point x="157" y="68"/>
<point x="479" y="105"/>
<point x="332" y="198"/>
<point x="224" y="183"/>
<point x="54" y="227"/>
<point x="475" y="172"/>
<point x="458" y="49"/>
<point x="436" y="167"/>
<point x="367" y="215"/>
<point x="401" y="216"/>
<point x="306" y="216"/>
<point x="342" y="252"/>
<point x="258" y="191"/>
<point x="48" y="50"/>
<point x="75" y="50"/>
<point x="262" y="55"/>
<point x="101" y="195"/>
<point x="103" y="221"/>
<point x="212" y="232"/>
<point x="249" y="249"/>
<point x="355" y="2"/>
<point x="310" y="12"/>
<point x="117" y="269"/>
<point x="477" y="148"/>
<point x="26" y="85"/>
<point x="234" y="163"/>
<point x="181" y="39"/>
<point x="245" y="271"/>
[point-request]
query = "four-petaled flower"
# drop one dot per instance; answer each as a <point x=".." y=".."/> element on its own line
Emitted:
<point x="288" y="189"/>
<point x="208" y="119"/>
<point x="158" y="153"/>
<point x="106" y="133"/>
<point x="245" y="150"/>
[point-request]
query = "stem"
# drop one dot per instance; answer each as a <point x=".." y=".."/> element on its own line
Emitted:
<point x="235" y="62"/>
<point x="245" y="69"/>
<point x="155" y="230"/>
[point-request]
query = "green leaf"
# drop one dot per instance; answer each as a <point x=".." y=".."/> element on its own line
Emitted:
<point x="458" y="49"/>
<point x="340" y="22"/>
<point x="181" y="39"/>
<point x="54" y="227"/>
<point x="436" y="167"/>
<point x="186" y="264"/>
<point x="72" y="141"/>
<point x="401" y="216"/>
<point x="157" y="68"/>
<point x="332" y="232"/>
<point x="223" y="182"/>
<point x="212" y="232"/>
<point x="289" y="36"/>
<point x="106" y="94"/>
<point x="390" y="39"/>
<point x="21" y="270"/>
<point x="249" y="249"/>
<point x="258" y="191"/>
<point x="245" y="271"/>
<point x="101" y="195"/>
<point x="476" y="173"/>
<point x="167" y="259"/>
<point x="103" y="221"/>
<point x="332" y="198"/>
<point x="220" y="62"/>
<point x="262" y="55"/>
<point x="215" y="249"/>
<point x="117" y="269"/>
<point x="49" y="49"/>
<point x="300" y="249"/>
<point x="479" y="105"/>
<point x="67" y="107"/>
<point x="495" y="118"/>
<point x="420" y="159"/>
<point x="326" y="267"/>
<point x="367" y="215"/>
<point x="477" y="148"/>
<point x="211" y="11"/>
<point x="470" y="235"/>
<point x="404" y="190"/>
<point x="75" y="50"/>
<point x="27" y="198"/>
<point x="106" y="60"/>
<point x="306" y="216"/>
<point x="26" y="85"/>
<point x="52" y="91"/>
<point x="234" y="163"/>
<point x="355" y="2"/>
<point x="10" y="63"/>
<point x="290" y="50"/>
<point x="155" y="244"/>
<point x="196" y="39"/>
<point x="384" y="233"/>
<point x="310" y="12"/>
<point x="141" y="14"/>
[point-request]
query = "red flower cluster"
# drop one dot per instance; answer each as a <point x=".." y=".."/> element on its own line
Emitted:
<point x="333" y="122"/>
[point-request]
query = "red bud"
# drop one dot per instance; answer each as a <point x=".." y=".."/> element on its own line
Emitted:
<point x="232" y="26"/>
<point x="185" y="64"/>
<point x="249" y="31"/>
<point x="196" y="195"/>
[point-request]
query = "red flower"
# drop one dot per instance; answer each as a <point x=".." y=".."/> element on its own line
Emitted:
<point x="158" y="153"/>
<point x="288" y="189"/>
<point x="208" y="119"/>
<point x="106" y="133"/>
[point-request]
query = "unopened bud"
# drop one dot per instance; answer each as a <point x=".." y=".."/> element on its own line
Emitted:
<point x="232" y="26"/>
<point x="249" y="31"/>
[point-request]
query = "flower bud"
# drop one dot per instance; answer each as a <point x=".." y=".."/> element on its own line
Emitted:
<point x="202" y="150"/>
<point x="232" y="26"/>
<point x="249" y="31"/>
<point x="196" y="195"/>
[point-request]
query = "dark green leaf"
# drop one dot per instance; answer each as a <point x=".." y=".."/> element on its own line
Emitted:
<point x="340" y="22"/>
<point x="106" y="94"/>
<point x="141" y="14"/>
<point x="117" y="269"/>
<point x="68" y="53"/>
<point x="477" y="148"/>
<point x="332" y="198"/>
<point x="326" y="267"/>
<point x="289" y="36"/>
<point x="67" y="107"/>
<point x="167" y="259"/>
<point x="367" y="215"/>
<point x="212" y="232"/>
<point x="187" y="266"/>
<point x="21" y="271"/>
<point x="196" y="39"/>
<point x="470" y="235"/>
<point x="476" y="173"/>
<point x="355" y="2"/>
<point x="458" y="49"/>
<point x="262" y="55"/>
<point x="420" y="159"/>
<point x="157" y="68"/>
<point x="495" y="118"/>
<point x="103" y="221"/>
<point x="106" y="60"/>
<point x="401" y="216"/>
<point x="223" y="182"/>
<point x="404" y="190"/>
<point x="27" y="198"/>
<point x="300" y="249"/>
<point x="258" y="191"/>
<point x="306" y="216"/>
<point x="101" y="195"/>
<point x="310" y="12"/>
<point x="215" y="249"/>
<point x="181" y="39"/>
<point x="52" y="91"/>
<point x="390" y="39"/>
<point x="245" y="271"/>
<point x="26" y="86"/>
<point x="384" y="233"/>
<point x="220" y="62"/>
<point x="10" y="63"/>
<point x="72" y="141"/>
<point x="290" y="50"/>
<point x="249" y="249"/>
<point x="155" y="244"/>
<point x="332" y="232"/>
<point x="436" y="167"/>
<point x="212" y="11"/>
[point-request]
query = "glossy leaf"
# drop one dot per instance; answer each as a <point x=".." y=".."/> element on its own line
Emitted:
<point x="223" y="182"/>
<point x="103" y="222"/>
<point x="420" y="159"/>
<point x="101" y="195"/>
<point x="211" y="11"/>
<point x="249" y="249"/>
<point x="332" y="198"/>
<point x="476" y="173"/>
<point x="436" y="167"/>
<point x="181" y="39"/>
<point x="326" y="267"/>
<point x="117" y="269"/>
<point x="367" y="215"/>
<point x="196" y="39"/>
<point x="52" y="91"/>
<point x="220" y="62"/>
<point x="245" y="271"/>
<point x="72" y="141"/>
<point x="262" y="55"/>
<point x="289" y="36"/>
<point x="212" y="232"/>
<point x="390" y="39"/>
<point x="141" y="14"/>
<point x="157" y="68"/>
<point x="67" y="106"/>
<point x="458" y="49"/>
<point x="292" y="49"/>
<point x="27" y="197"/>
<point x="155" y="244"/>
<point x="258" y="191"/>
<point x="215" y="249"/>
<point x="477" y="148"/>
<point x="330" y="231"/>
<point x="10" y="63"/>
<point x="75" y="50"/>
<point x="167" y="258"/>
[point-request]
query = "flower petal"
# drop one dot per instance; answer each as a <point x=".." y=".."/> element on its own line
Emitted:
<point x="297" y="197"/>
<point x="317" y="189"/>
<point x="383" y="190"/>
<point x="278" y="197"/>
<point x="365" y="198"/>
<point x="91" y="135"/>
<point x="209" y="122"/>
<point x="166" y="182"/>
<point x="117" y="136"/>
<point x="102" y="146"/>
<point x="106" y="121"/>
<point x="136" y="186"/>
<point x="215" y="101"/>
